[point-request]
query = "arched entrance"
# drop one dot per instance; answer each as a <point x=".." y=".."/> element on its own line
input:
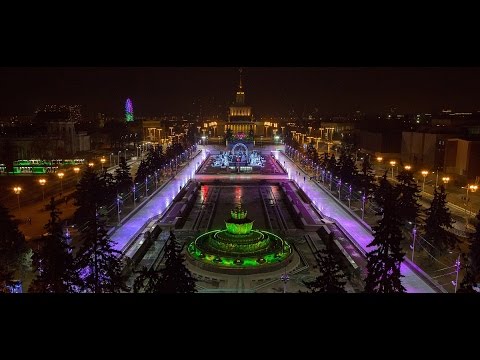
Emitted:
<point x="241" y="145"/>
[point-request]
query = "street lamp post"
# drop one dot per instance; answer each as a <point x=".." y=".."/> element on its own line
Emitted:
<point x="457" y="270"/>
<point x="445" y="180"/>
<point x="42" y="183"/>
<point x="379" y="160"/>
<point x="17" y="190"/>
<point x="146" y="186"/>
<point x="76" y="170"/>
<point x="111" y="159"/>
<point x="349" y="196"/>
<point x="471" y="188"/>
<point x="363" y="205"/>
<point x="424" y="173"/>
<point x="393" y="163"/>
<point x="414" y="232"/>
<point x="134" y="197"/>
<point x="61" y="175"/>
<point x="102" y="160"/>
<point x="285" y="278"/>
<point x="118" y="156"/>
<point x="118" y="208"/>
<point x="339" y="188"/>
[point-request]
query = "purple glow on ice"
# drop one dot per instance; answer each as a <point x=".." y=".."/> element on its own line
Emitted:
<point x="155" y="206"/>
<point x="330" y="208"/>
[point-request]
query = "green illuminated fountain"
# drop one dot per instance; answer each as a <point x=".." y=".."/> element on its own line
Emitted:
<point x="238" y="248"/>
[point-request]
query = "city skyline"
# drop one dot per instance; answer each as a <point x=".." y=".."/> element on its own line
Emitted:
<point x="269" y="90"/>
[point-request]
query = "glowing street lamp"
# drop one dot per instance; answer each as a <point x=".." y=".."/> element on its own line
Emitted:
<point x="42" y="182"/>
<point x="408" y="167"/>
<point x="61" y="175"/>
<point x="91" y="164"/>
<point x="471" y="188"/>
<point x="445" y="180"/>
<point x="102" y="160"/>
<point x="379" y="161"/>
<point x="76" y="170"/>
<point x="393" y="163"/>
<point x="17" y="190"/>
<point x="424" y="173"/>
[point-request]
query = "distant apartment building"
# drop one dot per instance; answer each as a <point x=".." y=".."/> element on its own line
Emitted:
<point x="52" y="134"/>
<point x="424" y="149"/>
<point x="378" y="143"/>
<point x="462" y="157"/>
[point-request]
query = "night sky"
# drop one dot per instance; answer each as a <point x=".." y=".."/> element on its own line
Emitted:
<point x="271" y="91"/>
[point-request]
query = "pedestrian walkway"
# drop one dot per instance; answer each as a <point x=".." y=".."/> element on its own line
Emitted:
<point x="330" y="208"/>
<point x="156" y="205"/>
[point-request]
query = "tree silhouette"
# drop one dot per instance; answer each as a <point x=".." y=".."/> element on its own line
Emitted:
<point x="147" y="280"/>
<point x="408" y="206"/>
<point x="100" y="265"/>
<point x="347" y="170"/>
<point x="123" y="179"/>
<point x="331" y="278"/>
<point x="175" y="277"/>
<point x="53" y="262"/>
<point x="382" y="192"/>
<point x="383" y="263"/>
<point x="474" y="251"/>
<point x="366" y="180"/>
<point x="439" y="218"/>
<point x="142" y="172"/>
<point x="13" y="247"/>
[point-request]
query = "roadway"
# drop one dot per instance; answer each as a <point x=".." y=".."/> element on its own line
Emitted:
<point x="156" y="205"/>
<point x="329" y="207"/>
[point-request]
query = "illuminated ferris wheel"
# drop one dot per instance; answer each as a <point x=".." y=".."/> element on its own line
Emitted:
<point x="128" y="111"/>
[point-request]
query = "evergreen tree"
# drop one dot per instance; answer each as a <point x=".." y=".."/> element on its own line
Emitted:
<point x="474" y="251"/>
<point x="175" y="277"/>
<point x="89" y="194"/>
<point x="142" y="172"/>
<point x="229" y="134"/>
<point x="123" y="179"/>
<point x="468" y="281"/>
<point x="312" y="153"/>
<point x="154" y="161"/>
<point x="332" y="165"/>
<point x="382" y="192"/>
<point x="383" y="263"/>
<point x="324" y="160"/>
<point x="366" y="180"/>
<point x="331" y="278"/>
<point x="408" y="206"/>
<point x="54" y="261"/>
<point x="147" y="280"/>
<point x="13" y="248"/>
<point x="347" y="169"/>
<point x="99" y="264"/>
<point x="439" y="218"/>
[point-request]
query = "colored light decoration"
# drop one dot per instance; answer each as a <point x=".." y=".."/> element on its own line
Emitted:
<point x="238" y="247"/>
<point x="128" y="110"/>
